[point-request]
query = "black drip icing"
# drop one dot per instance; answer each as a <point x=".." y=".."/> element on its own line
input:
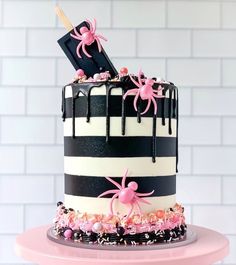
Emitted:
<point x="109" y="87"/>
<point x="163" y="107"/>
<point x="63" y="105"/>
<point x="154" y="138"/>
<point x="139" y="110"/>
<point x="108" y="93"/>
<point x="88" y="106"/>
<point x="86" y="88"/>
<point x="123" y="120"/>
<point x="177" y="129"/>
<point x="174" y="103"/>
<point x="170" y="110"/>
<point x="73" y="117"/>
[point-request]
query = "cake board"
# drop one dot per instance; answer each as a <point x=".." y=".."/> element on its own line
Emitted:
<point x="34" y="246"/>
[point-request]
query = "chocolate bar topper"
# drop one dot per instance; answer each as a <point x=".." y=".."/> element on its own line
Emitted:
<point x="83" y="48"/>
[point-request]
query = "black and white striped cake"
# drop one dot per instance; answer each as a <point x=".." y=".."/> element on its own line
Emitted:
<point x="104" y="135"/>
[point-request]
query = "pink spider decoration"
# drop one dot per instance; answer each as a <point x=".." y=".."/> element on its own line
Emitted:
<point x="145" y="91"/>
<point x="87" y="37"/>
<point x="126" y="195"/>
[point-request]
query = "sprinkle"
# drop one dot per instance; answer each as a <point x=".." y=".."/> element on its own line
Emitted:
<point x="98" y="228"/>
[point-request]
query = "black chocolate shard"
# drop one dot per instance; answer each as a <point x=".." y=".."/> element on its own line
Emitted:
<point x="99" y="62"/>
<point x="93" y="186"/>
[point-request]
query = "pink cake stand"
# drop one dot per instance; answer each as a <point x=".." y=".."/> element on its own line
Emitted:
<point x="34" y="246"/>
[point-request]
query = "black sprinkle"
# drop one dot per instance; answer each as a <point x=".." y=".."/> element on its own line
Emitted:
<point x="120" y="230"/>
<point x="159" y="236"/>
<point x="59" y="203"/>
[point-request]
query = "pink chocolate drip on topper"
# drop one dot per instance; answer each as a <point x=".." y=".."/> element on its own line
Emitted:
<point x="126" y="195"/>
<point x="87" y="37"/>
<point x="145" y="91"/>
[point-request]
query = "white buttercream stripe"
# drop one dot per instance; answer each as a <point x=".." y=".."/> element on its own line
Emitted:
<point x="104" y="166"/>
<point x="101" y="91"/>
<point x="97" y="127"/>
<point x="101" y="205"/>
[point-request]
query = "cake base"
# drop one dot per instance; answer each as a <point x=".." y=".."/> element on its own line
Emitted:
<point x="190" y="237"/>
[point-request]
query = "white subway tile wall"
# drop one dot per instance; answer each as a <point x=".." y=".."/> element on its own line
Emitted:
<point x="192" y="43"/>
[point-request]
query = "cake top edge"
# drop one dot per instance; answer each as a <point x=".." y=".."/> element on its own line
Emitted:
<point x="123" y="77"/>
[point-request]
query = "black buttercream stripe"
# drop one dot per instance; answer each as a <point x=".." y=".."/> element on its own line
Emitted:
<point x="98" y="107"/>
<point x="91" y="186"/>
<point x="96" y="146"/>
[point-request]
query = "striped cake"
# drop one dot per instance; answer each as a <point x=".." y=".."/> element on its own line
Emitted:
<point x="105" y="138"/>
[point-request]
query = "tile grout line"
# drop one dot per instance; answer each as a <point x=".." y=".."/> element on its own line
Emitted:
<point x="221" y="72"/>
<point x="222" y="190"/>
<point x="26" y="102"/>
<point x="166" y="13"/>
<point x="54" y="189"/>
<point x="222" y="131"/>
<point x="26" y="42"/>
<point x="1" y="14"/>
<point x="111" y="13"/>
<point x="24" y="216"/>
<point x="55" y="130"/>
<point x="136" y="37"/>
<point x="25" y="160"/>
<point x="0" y="132"/>
<point x="191" y="43"/>
<point x="221" y="15"/>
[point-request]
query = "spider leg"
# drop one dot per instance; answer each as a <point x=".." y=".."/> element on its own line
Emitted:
<point x="155" y="105"/>
<point x="130" y="91"/>
<point x="100" y="36"/>
<point x="91" y="28"/>
<point x="76" y="37"/>
<point x="124" y="179"/>
<point x="108" y="192"/>
<point x="148" y="105"/>
<point x="142" y="200"/>
<point x="98" y="43"/>
<point x="111" y="202"/>
<point x="114" y="182"/>
<point x="135" y="100"/>
<point x="85" y="52"/>
<point x="78" y="48"/>
<point x="135" y="82"/>
<point x="130" y="211"/>
<point x="144" y="194"/>
<point x="139" y="208"/>
<point x="76" y="32"/>
<point x="139" y="77"/>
